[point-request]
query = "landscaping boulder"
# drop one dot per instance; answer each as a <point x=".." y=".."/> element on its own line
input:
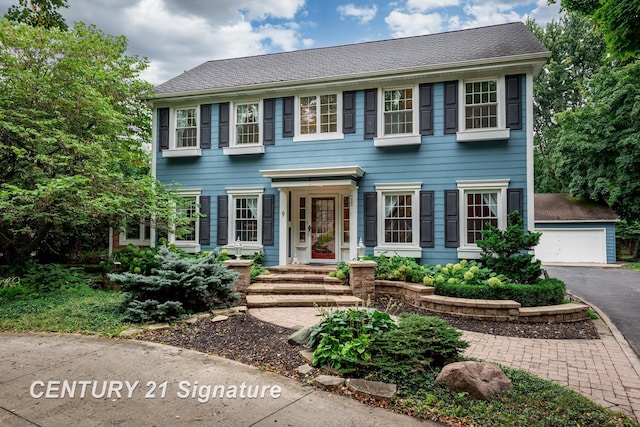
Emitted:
<point x="480" y="380"/>
<point x="300" y="337"/>
<point x="329" y="382"/>
<point x="375" y="389"/>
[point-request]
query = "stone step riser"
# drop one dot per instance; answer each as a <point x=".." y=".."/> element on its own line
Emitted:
<point x="264" y="301"/>
<point x="298" y="278"/>
<point x="298" y="288"/>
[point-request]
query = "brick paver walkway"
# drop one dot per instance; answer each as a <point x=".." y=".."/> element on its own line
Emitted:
<point x="607" y="371"/>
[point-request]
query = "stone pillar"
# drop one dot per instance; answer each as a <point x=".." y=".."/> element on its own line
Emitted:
<point x="362" y="279"/>
<point x="243" y="267"/>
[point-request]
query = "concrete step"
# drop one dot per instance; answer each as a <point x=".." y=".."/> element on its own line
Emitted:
<point x="322" y="270"/>
<point x="298" y="278"/>
<point x="297" y="288"/>
<point x="262" y="301"/>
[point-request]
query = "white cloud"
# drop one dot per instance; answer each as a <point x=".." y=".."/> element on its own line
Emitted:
<point x="544" y="12"/>
<point x="412" y="24"/>
<point x="363" y="14"/>
<point x="426" y="5"/>
<point x="490" y="13"/>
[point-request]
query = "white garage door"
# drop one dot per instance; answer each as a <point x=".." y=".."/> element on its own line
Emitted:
<point x="566" y="245"/>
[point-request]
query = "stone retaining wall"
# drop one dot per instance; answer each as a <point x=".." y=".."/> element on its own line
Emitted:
<point x="494" y="310"/>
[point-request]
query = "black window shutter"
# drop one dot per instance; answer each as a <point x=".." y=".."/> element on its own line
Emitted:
<point x="371" y="218"/>
<point x="349" y="112"/>
<point x="205" y="126"/>
<point x="514" y="102"/>
<point x="426" y="219"/>
<point x="451" y="219"/>
<point x="163" y="117"/>
<point x="269" y="121"/>
<point x="223" y="220"/>
<point x="451" y="107"/>
<point x="287" y="117"/>
<point x="268" y="211"/>
<point x="205" y="221"/>
<point x="514" y="202"/>
<point x="426" y="109"/>
<point x="370" y="113"/>
<point x="223" y="125"/>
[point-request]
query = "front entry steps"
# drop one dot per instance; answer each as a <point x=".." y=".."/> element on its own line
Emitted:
<point x="299" y="286"/>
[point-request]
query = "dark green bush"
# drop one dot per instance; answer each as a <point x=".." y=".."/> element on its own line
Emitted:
<point x="51" y="277"/>
<point x="178" y="286"/>
<point x="507" y="251"/>
<point x="543" y="292"/>
<point x="137" y="260"/>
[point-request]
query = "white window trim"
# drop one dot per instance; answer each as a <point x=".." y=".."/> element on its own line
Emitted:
<point x="318" y="136"/>
<point x="413" y="249"/>
<point x="189" y="246"/>
<point x="136" y="242"/>
<point x="248" y="248"/>
<point x="174" y="151"/>
<point x="235" y="149"/>
<point x="394" y="140"/>
<point x="501" y="132"/>
<point x="471" y="250"/>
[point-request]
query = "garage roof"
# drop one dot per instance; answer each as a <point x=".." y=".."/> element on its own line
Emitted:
<point x="560" y="207"/>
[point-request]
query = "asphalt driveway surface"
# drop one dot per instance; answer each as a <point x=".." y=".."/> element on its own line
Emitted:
<point x="616" y="291"/>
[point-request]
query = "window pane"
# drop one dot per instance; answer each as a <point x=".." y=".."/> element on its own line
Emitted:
<point x="398" y="222"/>
<point x="246" y="218"/>
<point x="481" y="105"/>
<point x="186" y="127"/>
<point x="398" y="111"/>
<point x="482" y="208"/>
<point x="247" y="124"/>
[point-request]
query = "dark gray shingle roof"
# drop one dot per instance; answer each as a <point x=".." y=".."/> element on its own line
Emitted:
<point x="350" y="61"/>
<point x="562" y="207"/>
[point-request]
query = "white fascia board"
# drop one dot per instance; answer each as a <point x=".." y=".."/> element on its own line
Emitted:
<point x="337" y="171"/>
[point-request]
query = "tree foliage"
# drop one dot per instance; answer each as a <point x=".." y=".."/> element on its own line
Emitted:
<point x="577" y="53"/>
<point x="618" y="20"/>
<point x="39" y="13"/>
<point x="599" y="143"/>
<point x="508" y="251"/>
<point x="72" y="128"/>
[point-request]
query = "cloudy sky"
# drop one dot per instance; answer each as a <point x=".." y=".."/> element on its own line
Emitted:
<point x="177" y="35"/>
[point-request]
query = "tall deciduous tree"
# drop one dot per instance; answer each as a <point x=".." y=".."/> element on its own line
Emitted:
<point x="618" y="20"/>
<point x="39" y="13"/>
<point x="577" y="53"/>
<point x="72" y="128"/>
<point x="600" y="142"/>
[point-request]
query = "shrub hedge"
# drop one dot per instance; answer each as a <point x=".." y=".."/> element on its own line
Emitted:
<point x="543" y="292"/>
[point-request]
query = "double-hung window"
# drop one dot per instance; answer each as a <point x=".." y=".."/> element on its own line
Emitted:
<point x="186" y="235"/>
<point x="136" y="232"/>
<point x="186" y="127"/>
<point x="398" y="117"/>
<point x="318" y="117"/>
<point x="245" y="219"/>
<point x="247" y="124"/>
<point x="482" y="203"/>
<point x="483" y="110"/>
<point x="398" y="216"/>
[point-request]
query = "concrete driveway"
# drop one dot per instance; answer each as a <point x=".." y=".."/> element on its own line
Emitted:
<point x="65" y="380"/>
<point x="616" y="291"/>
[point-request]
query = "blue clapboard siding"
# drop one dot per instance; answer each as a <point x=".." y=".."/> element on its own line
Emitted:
<point x="609" y="227"/>
<point x="438" y="162"/>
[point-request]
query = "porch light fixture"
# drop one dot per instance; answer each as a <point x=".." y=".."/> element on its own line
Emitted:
<point x="361" y="249"/>
<point x="238" y="248"/>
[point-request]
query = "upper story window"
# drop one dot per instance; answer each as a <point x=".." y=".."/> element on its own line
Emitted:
<point x="398" y="111"/>
<point x="318" y="117"/>
<point x="186" y="127"/>
<point x="481" y="104"/>
<point x="247" y="123"/>
<point x="482" y="112"/>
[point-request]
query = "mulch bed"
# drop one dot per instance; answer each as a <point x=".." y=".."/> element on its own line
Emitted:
<point x="250" y="341"/>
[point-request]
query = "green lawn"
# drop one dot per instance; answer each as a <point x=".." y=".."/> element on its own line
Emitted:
<point x="78" y="309"/>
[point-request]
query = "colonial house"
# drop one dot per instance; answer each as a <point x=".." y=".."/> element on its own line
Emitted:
<point x="406" y="146"/>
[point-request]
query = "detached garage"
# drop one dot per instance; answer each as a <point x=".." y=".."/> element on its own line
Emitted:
<point x="574" y="231"/>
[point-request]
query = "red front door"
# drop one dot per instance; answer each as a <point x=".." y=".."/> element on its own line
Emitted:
<point x="323" y="228"/>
